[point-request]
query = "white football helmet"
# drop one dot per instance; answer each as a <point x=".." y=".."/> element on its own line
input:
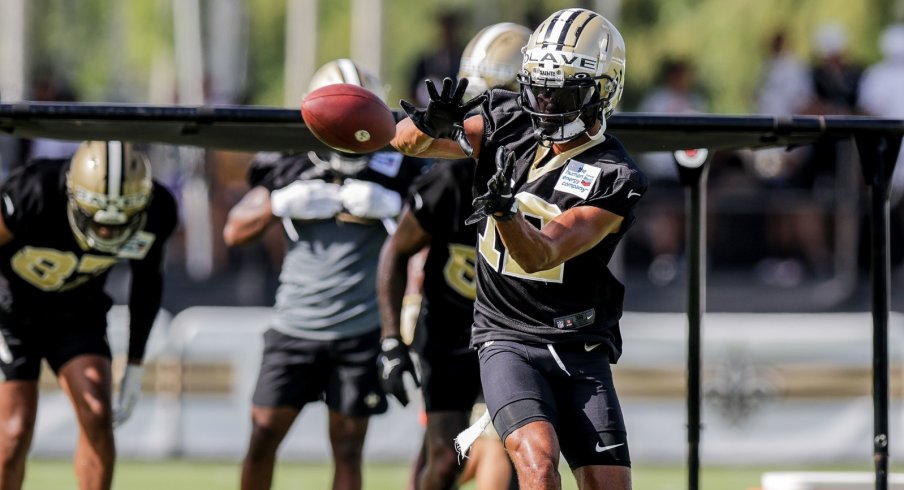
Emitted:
<point x="492" y="59"/>
<point x="346" y="71"/>
<point x="109" y="188"/>
<point x="573" y="73"/>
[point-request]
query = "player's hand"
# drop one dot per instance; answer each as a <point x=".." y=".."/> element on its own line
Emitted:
<point x="445" y="113"/>
<point x="369" y="200"/>
<point x="306" y="199"/>
<point x="396" y="369"/>
<point x="498" y="201"/>
<point x="129" y="392"/>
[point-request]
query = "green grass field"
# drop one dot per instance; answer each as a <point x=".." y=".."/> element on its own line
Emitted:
<point x="197" y="475"/>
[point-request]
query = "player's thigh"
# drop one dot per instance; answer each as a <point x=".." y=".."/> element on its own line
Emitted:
<point x="86" y="379"/>
<point x="515" y="389"/>
<point x="450" y="381"/>
<point x="354" y="386"/>
<point x="592" y="427"/>
<point x="69" y="335"/>
<point x="293" y="372"/>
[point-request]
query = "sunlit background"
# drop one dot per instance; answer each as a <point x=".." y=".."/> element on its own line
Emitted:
<point x="787" y="350"/>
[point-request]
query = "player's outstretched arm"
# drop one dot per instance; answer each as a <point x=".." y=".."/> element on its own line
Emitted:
<point x="249" y="218"/>
<point x="428" y="131"/>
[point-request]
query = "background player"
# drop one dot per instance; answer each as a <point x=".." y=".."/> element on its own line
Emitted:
<point x="434" y="219"/>
<point x="547" y="309"/>
<point x="64" y="225"/>
<point x="325" y="335"/>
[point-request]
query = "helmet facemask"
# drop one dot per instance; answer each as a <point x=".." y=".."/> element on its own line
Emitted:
<point x="561" y="113"/>
<point x="106" y="230"/>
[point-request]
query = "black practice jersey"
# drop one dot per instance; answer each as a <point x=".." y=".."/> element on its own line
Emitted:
<point x="46" y="270"/>
<point x="579" y="300"/>
<point x="441" y="201"/>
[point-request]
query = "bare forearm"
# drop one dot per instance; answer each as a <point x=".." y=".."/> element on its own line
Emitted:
<point x="392" y="276"/>
<point x="249" y="219"/>
<point x="527" y="245"/>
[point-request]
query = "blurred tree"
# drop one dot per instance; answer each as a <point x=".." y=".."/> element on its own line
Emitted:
<point x="77" y="38"/>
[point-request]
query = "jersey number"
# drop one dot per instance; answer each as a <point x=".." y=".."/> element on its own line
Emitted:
<point x="536" y="210"/>
<point x="48" y="269"/>
<point x="459" y="270"/>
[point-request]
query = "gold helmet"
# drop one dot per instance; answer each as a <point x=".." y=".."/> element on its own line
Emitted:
<point x="109" y="188"/>
<point x="346" y="71"/>
<point x="573" y="73"/>
<point x="493" y="58"/>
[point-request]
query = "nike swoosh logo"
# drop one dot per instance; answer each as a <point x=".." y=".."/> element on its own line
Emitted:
<point x="590" y="347"/>
<point x="388" y="366"/>
<point x="632" y="194"/>
<point x="605" y="448"/>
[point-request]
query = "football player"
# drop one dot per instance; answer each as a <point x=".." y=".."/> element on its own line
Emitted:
<point x="336" y="210"/>
<point x="559" y="198"/>
<point x="434" y="219"/>
<point x="63" y="225"/>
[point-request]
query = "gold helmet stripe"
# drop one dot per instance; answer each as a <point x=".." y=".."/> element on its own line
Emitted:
<point x="349" y="72"/>
<point x="114" y="168"/>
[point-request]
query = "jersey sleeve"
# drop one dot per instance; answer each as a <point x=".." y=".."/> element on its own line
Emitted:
<point x="23" y="196"/>
<point x="503" y="119"/>
<point x="619" y="190"/>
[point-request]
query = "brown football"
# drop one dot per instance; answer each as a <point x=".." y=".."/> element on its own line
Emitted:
<point x="348" y="118"/>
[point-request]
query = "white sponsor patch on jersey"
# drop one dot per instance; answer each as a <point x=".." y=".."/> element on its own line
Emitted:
<point x="387" y="163"/>
<point x="137" y="247"/>
<point x="577" y="179"/>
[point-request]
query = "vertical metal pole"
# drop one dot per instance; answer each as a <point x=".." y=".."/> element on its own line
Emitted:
<point x="367" y="34"/>
<point x="692" y="169"/>
<point x="878" y="154"/>
<point x="301" y="49"/>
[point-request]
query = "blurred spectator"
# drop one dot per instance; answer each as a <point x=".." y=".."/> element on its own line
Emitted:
<point x="797" y="229"/>
<point x="880" y="90"/>
<point x="438" y="64"/>
<point x="786" y="85"/>
<point x="662" y="221"/>
<point x="50" y="87"/>
<point x="880" y="95"/>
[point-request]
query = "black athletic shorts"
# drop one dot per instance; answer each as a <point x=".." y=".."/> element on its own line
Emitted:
<point x="26" y="341"/>
<point x="343" y="373"/>
<point x="451" y="381"/>
<point x="569" y="386"/>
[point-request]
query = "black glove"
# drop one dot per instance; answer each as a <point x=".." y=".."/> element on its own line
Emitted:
<point x="394" y="362"/>
<point x="498" y="198"/>
<point x="445" y="113"/>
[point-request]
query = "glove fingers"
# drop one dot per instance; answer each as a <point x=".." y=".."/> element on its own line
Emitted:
<point x="463" y="142"/>
<point x="473" y="103"/>
<point x="408" y="108"/>
<point x="431" y="89"/>
<point x="460" y="89"/>
<point x="447" y="89"/>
